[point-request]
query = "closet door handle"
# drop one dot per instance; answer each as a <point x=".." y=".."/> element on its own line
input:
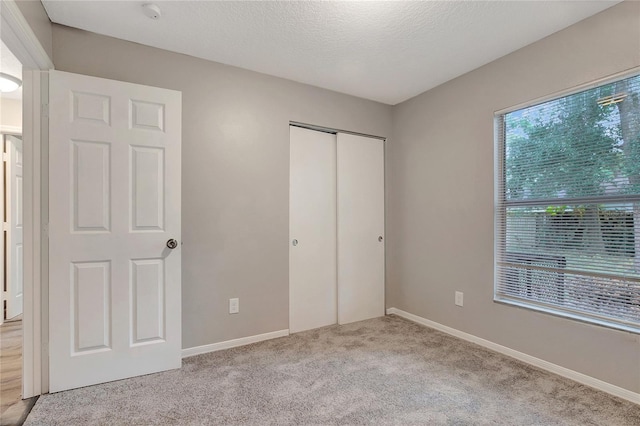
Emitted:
<point x="380" y="238"/>
<point x="294" y="242"/>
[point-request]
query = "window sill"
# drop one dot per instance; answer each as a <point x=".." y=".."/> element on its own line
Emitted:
<point x="568" y="315"/>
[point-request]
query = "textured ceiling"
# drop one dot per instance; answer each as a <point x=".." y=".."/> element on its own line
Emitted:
<point x="385" y="51"/>
<point x="9" y="64"/>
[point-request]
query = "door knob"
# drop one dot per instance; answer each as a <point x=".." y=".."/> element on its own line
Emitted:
<point x="380" y="238"/>
<point x="172" y="244"/>
<point x="294" y="242"/>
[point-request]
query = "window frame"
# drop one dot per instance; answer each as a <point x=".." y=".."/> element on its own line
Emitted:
<point x="500" y="201"/>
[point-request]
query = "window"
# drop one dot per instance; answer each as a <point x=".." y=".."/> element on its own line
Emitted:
<point x="568" y="205"/>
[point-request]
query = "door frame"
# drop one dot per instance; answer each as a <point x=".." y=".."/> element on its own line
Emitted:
<point x="18" y="36"/>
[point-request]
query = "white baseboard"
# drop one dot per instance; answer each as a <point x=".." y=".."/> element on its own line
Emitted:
<point x="537" y="362"/>
<point x="197" y="350"/>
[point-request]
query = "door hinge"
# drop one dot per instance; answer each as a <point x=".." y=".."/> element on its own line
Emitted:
<point x="5" y="157"/>
<point x="5" y="226"/>
<point x="45" y="110"/>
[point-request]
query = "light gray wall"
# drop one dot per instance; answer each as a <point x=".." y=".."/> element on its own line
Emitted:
<point x="11" y="112"/>
<point x="440" y="196"/>
<point x="38" y="20"/>
<point x="235" y="165"/>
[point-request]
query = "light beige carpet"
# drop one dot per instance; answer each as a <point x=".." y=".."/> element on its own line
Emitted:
<point x="382" y="371"/>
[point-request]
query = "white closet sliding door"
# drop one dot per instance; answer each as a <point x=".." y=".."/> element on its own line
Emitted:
<point x="312" y="230"/>
<point x="336" y="229"/>
<point x="360" y="175"/>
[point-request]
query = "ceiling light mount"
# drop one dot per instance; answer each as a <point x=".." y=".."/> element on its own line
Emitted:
<point x="152" y="11"/>
<point x="9" y="83"/>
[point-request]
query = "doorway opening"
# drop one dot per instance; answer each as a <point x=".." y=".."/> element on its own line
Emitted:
<point x="13" y="408"/>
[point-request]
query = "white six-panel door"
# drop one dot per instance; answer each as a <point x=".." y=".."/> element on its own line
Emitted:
<point x="14" y="226"/>
<point x="312" y="230"/>
<point x="360" y="228"/>
<point x="114" y="185"/>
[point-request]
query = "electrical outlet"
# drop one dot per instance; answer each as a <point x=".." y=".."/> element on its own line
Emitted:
<point x="459" y="298"/>
<point x="234" y="306"/>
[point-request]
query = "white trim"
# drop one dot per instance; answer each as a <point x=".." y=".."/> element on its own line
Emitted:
<point x="20" y="38"/>
<point x="537" y="362"/>
<point x="42" y="238"/>
<point x="33" y="212"/>
<point x="228" y="344"/>
<point x="31" y="373"/>
<point x="10" y="130"/>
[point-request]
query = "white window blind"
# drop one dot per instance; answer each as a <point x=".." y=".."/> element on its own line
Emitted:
<point x="568" y="205"/>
